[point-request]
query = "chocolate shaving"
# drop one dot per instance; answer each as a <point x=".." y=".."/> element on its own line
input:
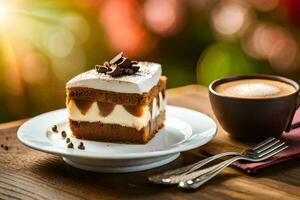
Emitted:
<point x="117" y="59"/>
<point x="97" y="68"/>
<point x="2" y="146"/>
<point x="118" y="66"/>
<point x="102" y="69"/>
<point x="106" y="64"/>
<point x="70" y="145"/>
<point x="128" y="71"/>
<point x="126" y="63"/>
<point x="135" y="68"/>
<point x="81" y="146"/>
<point x="117" y="71"/>
<point x="109" y="69"/>
<point x="6" y="148"/>
<point x="54" y="129"/>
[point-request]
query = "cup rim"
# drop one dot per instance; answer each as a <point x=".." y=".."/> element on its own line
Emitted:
<point x="225" y="79"/>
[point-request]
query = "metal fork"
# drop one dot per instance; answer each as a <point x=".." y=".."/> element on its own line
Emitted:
<point x="261" y="153"/>
<point x="173" y="177"/>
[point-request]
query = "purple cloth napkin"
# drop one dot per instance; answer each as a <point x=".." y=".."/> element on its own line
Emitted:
<point x="292" y="138"/>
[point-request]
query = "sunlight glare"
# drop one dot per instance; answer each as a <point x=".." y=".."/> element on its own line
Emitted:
<point x="5" y="13"/>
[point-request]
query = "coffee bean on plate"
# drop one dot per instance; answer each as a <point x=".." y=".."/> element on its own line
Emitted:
<point x="71" y="145"/>
<point x="68" y="140"/>
<point x="81" y="146"/>
<point x="63" y="134"/>
<point x="54" y="128"/>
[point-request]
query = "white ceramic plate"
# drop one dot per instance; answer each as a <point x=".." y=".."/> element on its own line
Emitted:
<point x="184" y="129"/>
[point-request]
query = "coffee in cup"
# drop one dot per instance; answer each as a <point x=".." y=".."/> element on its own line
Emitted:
<point x="255" y="88"/>
<point x="254" y="107"/>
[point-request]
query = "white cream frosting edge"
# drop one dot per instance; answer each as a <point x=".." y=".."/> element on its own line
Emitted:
<point x="143" y="81"/>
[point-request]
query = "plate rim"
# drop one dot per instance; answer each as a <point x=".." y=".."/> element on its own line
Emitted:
<point x="81" y="154"/>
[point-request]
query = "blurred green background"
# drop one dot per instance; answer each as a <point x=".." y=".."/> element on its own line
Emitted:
<point x="45" y="43"/>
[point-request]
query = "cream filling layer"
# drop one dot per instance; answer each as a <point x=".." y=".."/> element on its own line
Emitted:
<point x="118" y="116"/>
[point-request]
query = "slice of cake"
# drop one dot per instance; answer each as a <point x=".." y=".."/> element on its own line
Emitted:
<point x="120" y="101"/>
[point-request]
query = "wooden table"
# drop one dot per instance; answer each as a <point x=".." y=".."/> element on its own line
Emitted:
<point x="29" y="174"/>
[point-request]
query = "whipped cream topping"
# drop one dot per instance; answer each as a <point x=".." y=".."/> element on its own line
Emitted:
<point x="140" y="82"/>
<point x="119" y="115"/>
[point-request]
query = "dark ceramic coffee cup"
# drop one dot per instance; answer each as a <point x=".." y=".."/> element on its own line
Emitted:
<point x="254" y="119"/>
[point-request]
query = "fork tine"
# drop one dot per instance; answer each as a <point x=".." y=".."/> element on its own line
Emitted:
<point x="262" y="143"/>
<point x="271" y="149"/>
<point x="267" y="146"/>
<point x="275" y="151"/>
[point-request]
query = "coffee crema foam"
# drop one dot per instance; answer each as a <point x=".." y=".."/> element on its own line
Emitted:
<point x="255" y="88"/>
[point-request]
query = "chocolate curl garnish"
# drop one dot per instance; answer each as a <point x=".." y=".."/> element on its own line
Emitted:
<point x="116" y="71"/>
<point x="101" y="69"/>
<point x="125" y="63"/>
<point x="118" y="66"/>
<point x="117" y="59"/>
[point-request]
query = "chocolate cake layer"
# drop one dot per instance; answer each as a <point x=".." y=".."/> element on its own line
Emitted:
<point x="116" y="133"/>
<point x="89" y="94"/>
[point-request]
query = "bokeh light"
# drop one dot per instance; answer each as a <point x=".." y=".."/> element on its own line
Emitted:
<point x="230" y="17"/>
<point x="273" y="43"/>
<point x="78" y="26"/>
<point x="222" y="59"/>
<point x="59" y="41"/>
<point x="122" y="23"/>
<point x="6" y="9"/>
<point x="282" y="56"/>
<point x="164" y="17"/>
<point x="34" y="67"/>
<point x="265" y="5"/>
<point x="69" y="66"/>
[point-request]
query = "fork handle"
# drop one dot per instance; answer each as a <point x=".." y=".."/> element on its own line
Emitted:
<point x="170" y="175"/>
<point x="200" y="180"/>
<point x="210" y="159"/>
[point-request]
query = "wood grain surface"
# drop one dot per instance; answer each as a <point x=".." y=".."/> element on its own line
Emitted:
<point x="29" y="174"/>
